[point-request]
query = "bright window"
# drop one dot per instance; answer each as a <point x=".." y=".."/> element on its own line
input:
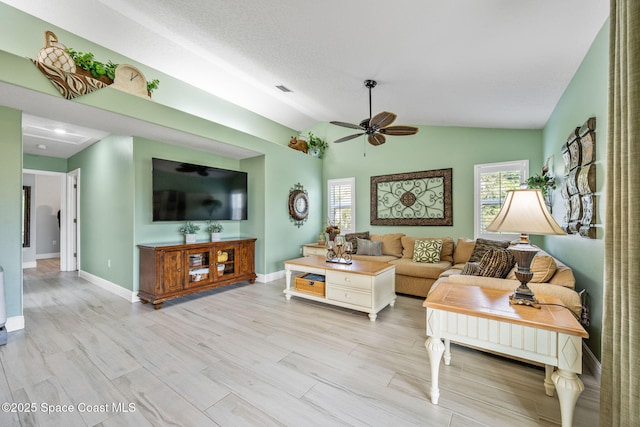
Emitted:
<point x="492" y="181"/>
<point x="342" y="204"/>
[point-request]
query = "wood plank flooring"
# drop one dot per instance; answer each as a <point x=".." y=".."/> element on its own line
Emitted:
<point x="244" y="356"/>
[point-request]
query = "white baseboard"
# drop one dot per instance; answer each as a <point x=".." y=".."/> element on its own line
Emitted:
<point x="14" y="323"/>
<point x="591" y="362"/>
<point x="110" y="286"/>
<point x="48" y="256"/>
<point x="264" y="278"/>
<point x="29" y="264"/>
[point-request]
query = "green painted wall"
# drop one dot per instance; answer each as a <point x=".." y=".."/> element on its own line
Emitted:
<point x="11" y="211"/>
<point x="44" y="163"/>
<point x="106" y="209"/>
<point x="431" y="148"/>
<point x="586" y="96"/>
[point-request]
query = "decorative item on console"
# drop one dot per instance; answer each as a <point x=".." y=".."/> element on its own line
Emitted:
<point x="579" y="187"/>
<point x="189" y="230"/>
<point x="222" y="256"/>
<point x="332" y="231"/>
<point x="214" y="228"/>
<point x="322" y="240"/>
<point x="339" y="251"/>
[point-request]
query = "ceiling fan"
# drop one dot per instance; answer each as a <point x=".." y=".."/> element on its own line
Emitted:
<point x="378" y="126"/>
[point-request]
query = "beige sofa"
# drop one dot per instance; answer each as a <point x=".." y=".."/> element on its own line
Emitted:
<point x="551" y="277"/>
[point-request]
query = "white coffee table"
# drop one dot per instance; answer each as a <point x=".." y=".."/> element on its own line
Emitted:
<point x="366" y="286"/>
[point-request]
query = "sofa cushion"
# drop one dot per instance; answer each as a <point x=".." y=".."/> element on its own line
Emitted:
<point x="427" y="250"/>
<point x="543" y="268"/>
<point x="369" y="247"/>
<point x="463" y="250"/>
<point x="483" y="245"/>
<point x="446" y="253"/>
<point x="471" y="268"/>
<point x="428" y="270"/>
<point x="391" y="244"/>
<point x="496" y="263"/>
<point x="353" y="239"/>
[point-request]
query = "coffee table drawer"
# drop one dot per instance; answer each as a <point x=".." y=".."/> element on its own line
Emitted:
<point x="360" y="281"/>
<point x="349" y="295"/>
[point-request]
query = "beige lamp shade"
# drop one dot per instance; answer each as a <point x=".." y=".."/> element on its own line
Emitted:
<point x="525" y="212"/>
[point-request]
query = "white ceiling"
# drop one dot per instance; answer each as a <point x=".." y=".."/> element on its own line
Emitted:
<point x="485" y="63"/>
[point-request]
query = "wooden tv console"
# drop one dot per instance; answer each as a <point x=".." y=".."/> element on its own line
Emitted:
<point x="170" y="270"/>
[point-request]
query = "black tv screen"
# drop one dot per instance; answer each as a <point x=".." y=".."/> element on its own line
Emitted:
<point x="188" y="192"/>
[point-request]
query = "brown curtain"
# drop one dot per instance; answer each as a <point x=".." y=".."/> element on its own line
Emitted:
<point x="620" y="384"/>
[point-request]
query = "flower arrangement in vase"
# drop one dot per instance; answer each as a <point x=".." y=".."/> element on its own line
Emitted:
<point x="332" y="231"/>
<point x="189" y="230"/>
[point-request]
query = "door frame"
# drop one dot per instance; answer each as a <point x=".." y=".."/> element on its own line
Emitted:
<point x="67" y="205"/>
<point x="72" y="222"/>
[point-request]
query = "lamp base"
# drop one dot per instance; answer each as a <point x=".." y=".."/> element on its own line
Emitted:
<point x="515" y="300"/>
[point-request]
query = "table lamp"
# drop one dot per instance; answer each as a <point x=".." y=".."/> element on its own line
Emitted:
<point x="524" y="212"/>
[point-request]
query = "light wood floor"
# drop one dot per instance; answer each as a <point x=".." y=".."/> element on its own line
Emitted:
<point x="245" y="356"/>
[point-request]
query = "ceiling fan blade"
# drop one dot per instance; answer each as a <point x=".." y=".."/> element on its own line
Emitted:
<point x="347" y="138"/>
<point x="346" y="125"/>
<point x="377" y="139"/>
<point x="383" y="119"/>
<point x="399" y="130"/>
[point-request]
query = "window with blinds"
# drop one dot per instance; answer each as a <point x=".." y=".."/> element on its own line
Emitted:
<point x="492" y="181"/>
<point x="342" y="204"/>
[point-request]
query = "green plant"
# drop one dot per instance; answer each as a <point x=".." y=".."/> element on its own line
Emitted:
<point x="189" y="228"/>
<point x="152" y="85"/>
<point x="543" y="182"/>
<point x="87" y="62"/>
<point x="214" y="227"/>
<point x="98" y="69"/>
<point x="317" y="143"/>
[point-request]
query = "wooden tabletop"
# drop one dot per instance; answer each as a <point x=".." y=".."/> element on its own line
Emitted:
<point x="370" y="268"/>
<point x="494" y="304"/>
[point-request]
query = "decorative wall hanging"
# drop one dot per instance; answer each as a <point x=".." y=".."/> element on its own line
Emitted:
<point x="298" y="205"/>
<point x="414" y="198"/>
<point x="578" y="189"/>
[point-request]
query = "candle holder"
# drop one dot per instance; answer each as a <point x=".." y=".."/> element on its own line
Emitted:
<point x="339" y="251"/>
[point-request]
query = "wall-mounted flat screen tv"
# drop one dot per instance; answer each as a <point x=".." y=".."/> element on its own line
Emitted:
<point x="188" y="192"/>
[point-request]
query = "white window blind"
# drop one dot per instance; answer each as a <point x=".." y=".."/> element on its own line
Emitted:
<point x="492" y="181"/>
<point x="342" y="203"/>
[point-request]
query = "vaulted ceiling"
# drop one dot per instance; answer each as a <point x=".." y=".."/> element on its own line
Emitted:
<point x="485" y="63"/>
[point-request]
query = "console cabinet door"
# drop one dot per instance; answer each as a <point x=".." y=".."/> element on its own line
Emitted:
<point x="198" y="265"/>
<point x="226" y="256"/>
<point x="172" y="271"/>
<point x="246" y="260"/>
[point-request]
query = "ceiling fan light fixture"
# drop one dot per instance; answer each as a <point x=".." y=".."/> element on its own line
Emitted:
<point x="376" y="127"/>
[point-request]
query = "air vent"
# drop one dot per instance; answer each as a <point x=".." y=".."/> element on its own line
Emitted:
<point x="284" y="88"/>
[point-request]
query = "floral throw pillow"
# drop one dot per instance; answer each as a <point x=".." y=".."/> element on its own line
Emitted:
<point x="427" y="250"/>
